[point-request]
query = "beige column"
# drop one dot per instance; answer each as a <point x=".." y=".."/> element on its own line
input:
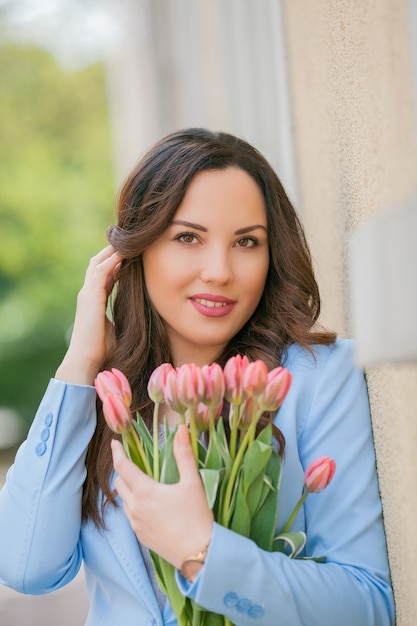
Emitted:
<point x="351" y="83"/>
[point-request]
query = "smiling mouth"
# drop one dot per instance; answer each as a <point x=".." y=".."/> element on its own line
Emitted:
<point x="210" y="303"/>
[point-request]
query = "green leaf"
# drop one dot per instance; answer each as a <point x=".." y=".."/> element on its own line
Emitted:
<point x="214" y="456"/>
<point x="130" y="444"/>
<point x="223" y="445"/>
<point x="265" y="436"/>
<point x="202" y="454"/>
<point x="317" y="559"/>
<point x="271" y="479"/>
<point x="253" y="495"/>
<point x="254" y="463"/>
<point x="169" y="470"/>
<point x="253" y="470"/>
<point x="212" y="619"/>
<point x="290" y="543"/>
<point x="143" y="433"/>
<point x="165" y="574"/>
<point x="241" y="519"/>
<point x="264" y="520"/>
<point x="211" y="481"/>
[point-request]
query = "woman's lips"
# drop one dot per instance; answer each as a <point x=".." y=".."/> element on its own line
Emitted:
<point x="212" y="306"/>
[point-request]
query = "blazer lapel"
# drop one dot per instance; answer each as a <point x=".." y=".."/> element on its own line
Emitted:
<point x="126" y="548"/>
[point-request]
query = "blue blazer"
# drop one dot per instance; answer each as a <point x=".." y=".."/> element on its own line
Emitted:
<point x="43" y="542"/>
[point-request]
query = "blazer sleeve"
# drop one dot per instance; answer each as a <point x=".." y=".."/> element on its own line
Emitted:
<point x="40" y="503"/>
<point x="329" y="413"/>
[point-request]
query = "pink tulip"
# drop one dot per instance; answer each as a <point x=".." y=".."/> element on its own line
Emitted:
<point x="190" y="384"/>
<point x="171" y="392"/>
<point x="214" y="385"/>
<point x="116" y="413"/>
<point x="255" y="378"/>
<point x="114" y="382"/>
<point x="233" y="377"/>
<point x="277" y="386"/>
<point x="157" y="382"/>
<point x="319" y="474"/>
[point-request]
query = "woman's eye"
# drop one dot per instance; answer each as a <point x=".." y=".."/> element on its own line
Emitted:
<point x="247" y="242"/>
<point x="187" y="238"/>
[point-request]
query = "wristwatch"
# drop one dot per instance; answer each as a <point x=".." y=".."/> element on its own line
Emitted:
<point x="192" y="565"/>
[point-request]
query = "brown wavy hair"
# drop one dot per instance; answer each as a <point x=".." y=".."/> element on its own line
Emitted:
<point x="287" y="312"/>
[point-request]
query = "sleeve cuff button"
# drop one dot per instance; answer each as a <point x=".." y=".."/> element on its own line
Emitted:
<point x="255" y="611"/>
<point x="40" y="449"/>
<point x="231" y="599"/>
<point x="244" y="605"/>
<point x="45" y="434"/>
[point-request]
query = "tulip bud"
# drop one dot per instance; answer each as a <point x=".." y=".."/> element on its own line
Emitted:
<point x="319" y="474"/>
<point x="201" y="417"/>
<point x="214" y="385"/>
<point x="116" y="413"/>
<point x="277" y="386"/>
<point x="247" y="414"/>
<point x="114" y="382"/>
<point x="255" y="378"/>
<point x="171" y="392"/>
<point x="157" y="382"/>
<point x="233" y="377"/>
<point x="190" y="384"/>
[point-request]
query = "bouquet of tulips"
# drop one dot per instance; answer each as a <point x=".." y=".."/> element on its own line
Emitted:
<point x="240" y="472"/>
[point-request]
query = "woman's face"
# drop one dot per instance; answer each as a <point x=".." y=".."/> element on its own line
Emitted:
<point x="205" y="275"/>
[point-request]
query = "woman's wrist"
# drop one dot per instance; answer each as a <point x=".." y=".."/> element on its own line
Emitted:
<point x="192" y="565"/>
<point x="77" y="371"/>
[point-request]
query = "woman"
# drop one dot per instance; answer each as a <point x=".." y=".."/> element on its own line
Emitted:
<point x="210" y="260"/>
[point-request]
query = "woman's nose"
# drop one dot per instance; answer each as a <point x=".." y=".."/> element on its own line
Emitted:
<point x="216" y="268"/>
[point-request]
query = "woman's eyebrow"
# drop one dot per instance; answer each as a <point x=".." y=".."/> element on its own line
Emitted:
<point x="189" y="225"/>
<point x="240" y="231"/>
<point x="248" y="229"/>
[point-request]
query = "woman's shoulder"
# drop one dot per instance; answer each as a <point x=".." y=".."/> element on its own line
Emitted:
<point x="325" y="380"/>
<point x="335" y="358"/>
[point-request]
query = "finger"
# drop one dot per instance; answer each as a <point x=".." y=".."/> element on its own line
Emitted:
<point x="107" y="260"/>
<point x="183" y="453"/>
<point x="103" y="254"/>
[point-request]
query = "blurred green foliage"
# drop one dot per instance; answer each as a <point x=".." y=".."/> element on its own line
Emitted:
<point x="56" y="201"/>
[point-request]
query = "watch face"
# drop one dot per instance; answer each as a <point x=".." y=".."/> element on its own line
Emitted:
<point x="190" y="569"/>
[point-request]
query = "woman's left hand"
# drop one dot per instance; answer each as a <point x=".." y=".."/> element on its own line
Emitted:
<point x="174" y="520"/>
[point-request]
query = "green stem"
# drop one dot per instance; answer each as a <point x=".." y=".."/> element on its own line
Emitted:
<point x="227" y="622"/>
<point x="193" y="433"/>
<point x="212" y="423"/>
<point x="249" y="435"/>
<point x="295" y="511"/>
<point x="233" y="431"/>
<point x="156" y="441"/>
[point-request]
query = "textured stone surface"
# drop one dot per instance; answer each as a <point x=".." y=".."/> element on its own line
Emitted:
<point x="350" y="73"/>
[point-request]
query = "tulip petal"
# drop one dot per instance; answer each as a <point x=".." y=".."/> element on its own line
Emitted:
<point x="319" y="474"/>
<point x="116" y="413"/>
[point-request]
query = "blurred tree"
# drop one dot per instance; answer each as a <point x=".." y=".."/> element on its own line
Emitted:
<point x="56" y="200"/>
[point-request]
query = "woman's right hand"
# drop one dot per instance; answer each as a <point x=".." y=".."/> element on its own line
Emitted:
<point x="92" y="331"/>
